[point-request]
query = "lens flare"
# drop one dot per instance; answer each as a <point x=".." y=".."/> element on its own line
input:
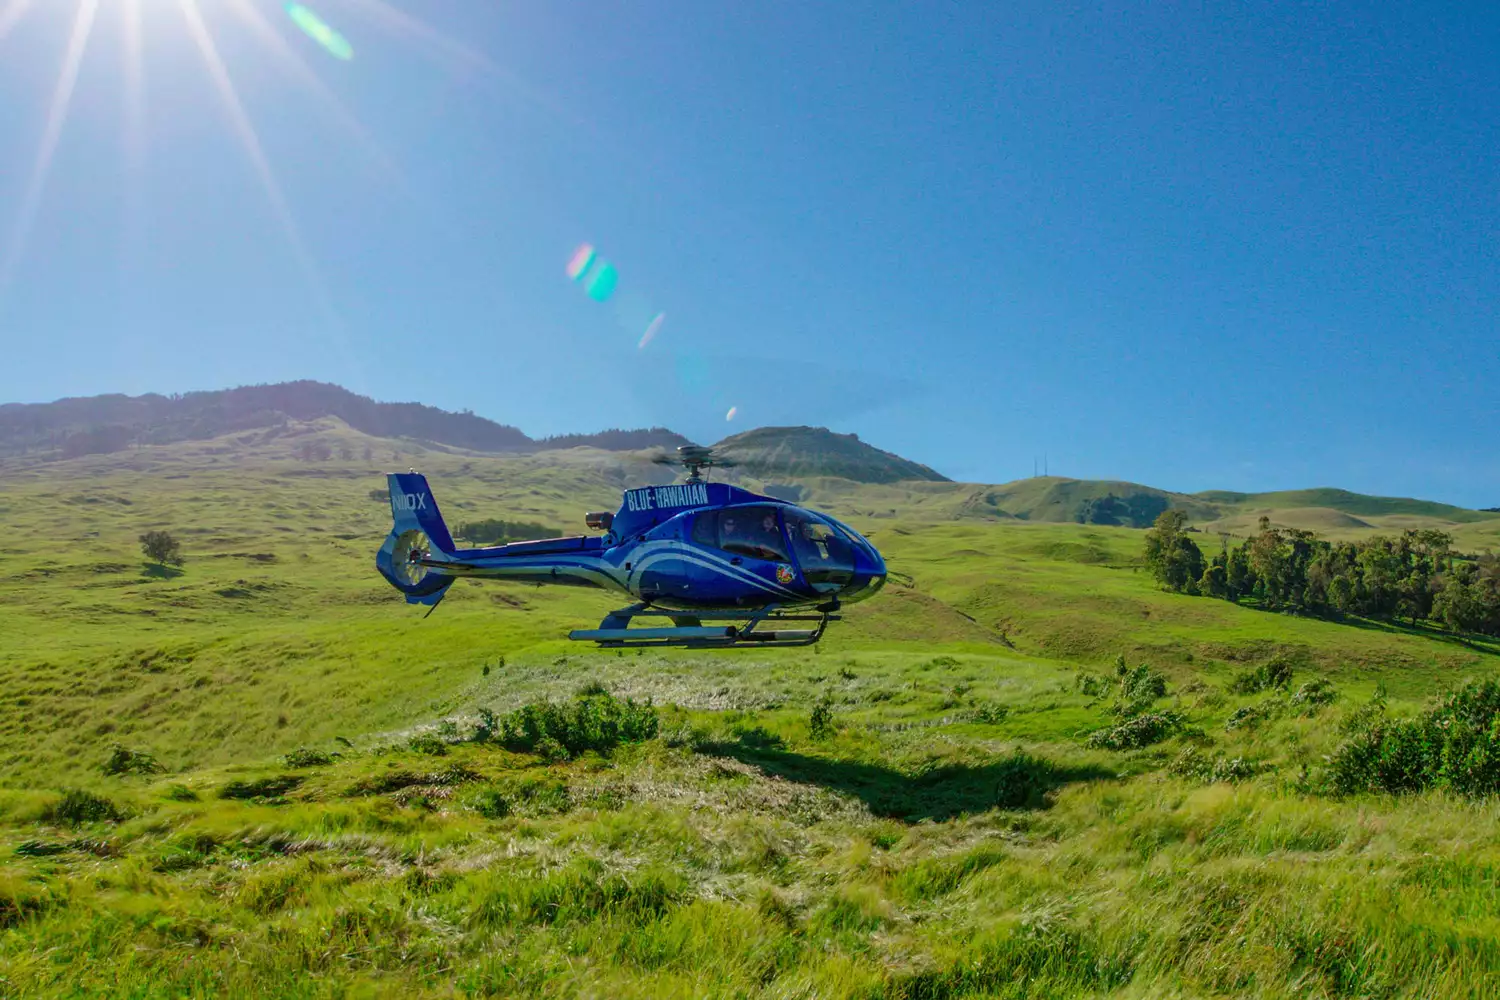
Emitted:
<point x="651" y="331"/>
<point x="732" y="411"/>
<point x="600" y="280"/>
<point x="580" y="261"/>
<point x="318" y="30"/>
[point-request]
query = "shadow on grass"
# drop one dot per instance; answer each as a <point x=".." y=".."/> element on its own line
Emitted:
<point x="156" y="571"/>
<point x="1475" y="641"/>
<point x="1469" y="640"/>
<point x="1016" y="781"/>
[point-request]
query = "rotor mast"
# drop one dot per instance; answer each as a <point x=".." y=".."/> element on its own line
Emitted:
<point x="695" y="458"/>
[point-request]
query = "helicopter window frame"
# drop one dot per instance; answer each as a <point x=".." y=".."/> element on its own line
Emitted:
<point x="741" y="548"/>
<point x="823" y="565"/>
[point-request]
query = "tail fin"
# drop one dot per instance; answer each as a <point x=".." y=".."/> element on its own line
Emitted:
<point x="404" y="558"/>
<point x="414" y="507"/>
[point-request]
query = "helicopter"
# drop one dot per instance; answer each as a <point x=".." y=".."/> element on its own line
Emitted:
<point x="708" y="564"/>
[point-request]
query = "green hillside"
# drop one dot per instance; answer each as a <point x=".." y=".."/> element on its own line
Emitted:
<point x="335" y="816"/>
<point x="791" y="454"/>
<point x="1082" y="501"/>
<point x="1357" y="504"/>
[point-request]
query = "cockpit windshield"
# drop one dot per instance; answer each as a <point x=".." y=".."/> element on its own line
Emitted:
<point x="823" y="552"/>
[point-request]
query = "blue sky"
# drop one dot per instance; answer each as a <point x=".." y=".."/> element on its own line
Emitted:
<point x="1252" y="248"/>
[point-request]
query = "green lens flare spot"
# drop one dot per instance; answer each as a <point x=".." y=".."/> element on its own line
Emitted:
<point x="318" y="30"/>
<point x="599" y="283"/>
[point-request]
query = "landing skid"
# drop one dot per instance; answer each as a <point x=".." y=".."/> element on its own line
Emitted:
<point x="687" y="628"/>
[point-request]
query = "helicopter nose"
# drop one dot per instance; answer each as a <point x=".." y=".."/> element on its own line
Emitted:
<point x="869" y="577"/>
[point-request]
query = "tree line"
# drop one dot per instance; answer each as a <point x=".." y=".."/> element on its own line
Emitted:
<point x="1416" y="575"/>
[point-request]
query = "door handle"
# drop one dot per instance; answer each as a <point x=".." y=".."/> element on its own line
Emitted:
<point x="736" y="561"/>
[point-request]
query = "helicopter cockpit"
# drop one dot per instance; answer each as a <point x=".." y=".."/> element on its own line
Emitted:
<point x="828" y="553"/>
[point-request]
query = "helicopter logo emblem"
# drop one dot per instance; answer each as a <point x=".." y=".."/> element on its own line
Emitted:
<point x="784" y="574"/>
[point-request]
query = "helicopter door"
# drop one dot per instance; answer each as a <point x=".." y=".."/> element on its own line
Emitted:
<point x="751" y="538"/>
<point x="825" y="555"/>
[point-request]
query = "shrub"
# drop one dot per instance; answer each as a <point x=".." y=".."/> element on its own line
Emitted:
<point x="1022" y="780"/>
<point x="1234" y="769"/>
<point x="428" y="743"/>
<point x="1092" y="684"/>
<point x="820" y="724"/>
<point x="1274" y="673"/>
<point x="1455" y="745"/>
<point x="1139" y="687"/>
<point x="303" y="757"/>
<point x="77" y="807"/>
<point x="395" y="781"/>
<point x="592" y="722"/>
<point x="261" y="788"/>
<point x="1139" y="731"/>
<point x="487" y="726"/>
<point x="990" y="713"/>
<point x="1313" y="695"/>
<point x="1250" y="716"/>
<point x="181" y="793"/>
<point x="40" y="848"/>
<point x="1192" y="762"/>
<point x="489" y="802"/>
<point x="123" y="760"/>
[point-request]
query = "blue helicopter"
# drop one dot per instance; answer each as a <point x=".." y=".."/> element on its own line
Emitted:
<point x="690" y="554"/>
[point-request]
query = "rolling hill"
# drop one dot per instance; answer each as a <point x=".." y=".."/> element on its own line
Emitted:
<point x="69" y="428"/>
<point x="316" y="423"/>
<point x="797" y="453"/>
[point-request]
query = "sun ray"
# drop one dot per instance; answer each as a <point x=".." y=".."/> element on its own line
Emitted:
<point x="400" y="23"/>
<point x="13" y="12"/>
<point x="135" y="85"/>
<point x="245" y="130"/>
<point x="57" y="116"/>
<point x="403" y="25"/>
<point x="273" y="40"/>
<point x="250" y="140"/>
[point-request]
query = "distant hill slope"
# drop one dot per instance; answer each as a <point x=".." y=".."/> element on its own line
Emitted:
<point x="1356" y="504"/>
<point x="69" y="428"/>
<point x="618" y="440"/>
<point x="1084" y="501"/>
<point x="793" y="453"/>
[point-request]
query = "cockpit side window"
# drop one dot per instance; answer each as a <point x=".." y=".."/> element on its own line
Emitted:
<point x="824" y="553"/>
<point x="754" y="532"/>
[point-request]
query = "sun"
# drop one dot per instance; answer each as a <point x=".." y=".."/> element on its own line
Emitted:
<point x="247" y="15"/>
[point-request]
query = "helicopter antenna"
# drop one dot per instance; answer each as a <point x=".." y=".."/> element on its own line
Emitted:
<point x="695" y="459"/>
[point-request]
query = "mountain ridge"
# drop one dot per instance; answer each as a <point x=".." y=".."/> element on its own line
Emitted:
<point x="78" y="426"/>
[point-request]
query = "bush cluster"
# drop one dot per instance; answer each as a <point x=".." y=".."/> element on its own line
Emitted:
<point x="260" y="788"/>
<point x="598" y="722"/>
<point x="77" y="807"/>
<point x="305" y="757"/>
<point x="1275" y="673"/>
<point x="123" y="760"/>
<point x="1139" y="687"/>
<point x="1313" y="695"/>
<point x="1455" y="746"/>
<point x="1194" y="763"/>
<point x="1140" y="731"/>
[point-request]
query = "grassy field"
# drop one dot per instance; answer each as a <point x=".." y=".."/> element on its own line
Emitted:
<point x="914" y="808"/>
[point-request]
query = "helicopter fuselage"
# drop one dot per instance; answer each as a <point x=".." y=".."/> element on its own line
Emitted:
<point x="690" y="546"/>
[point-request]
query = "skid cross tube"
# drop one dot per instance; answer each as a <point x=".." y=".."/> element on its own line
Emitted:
<point x="688" y="628"/>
